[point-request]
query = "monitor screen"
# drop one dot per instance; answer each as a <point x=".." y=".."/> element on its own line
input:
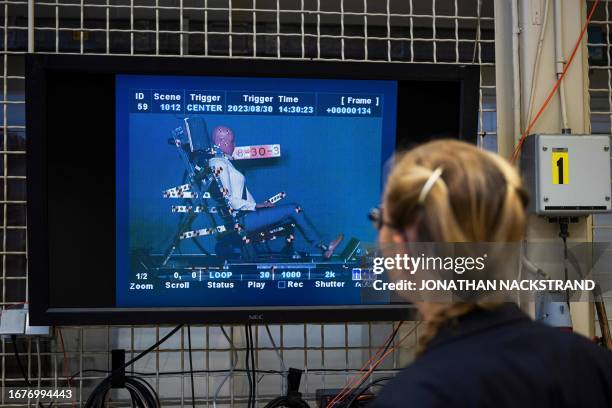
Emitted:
<point x="182" y="190"/>
<point x="231" y="191"/>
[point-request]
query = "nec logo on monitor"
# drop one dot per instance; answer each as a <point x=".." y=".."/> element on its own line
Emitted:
<point x="256" y="317"/>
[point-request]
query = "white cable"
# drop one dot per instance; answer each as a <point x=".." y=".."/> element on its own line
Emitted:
<point x="560" y="61"/>
<point x="478" y="8"/>
<point x="280" y="358"/>
<point x="531" y="267"/>
<point x="38" y="361"/>
<point x="536" y="63"/>
<point x="231" y="370"/>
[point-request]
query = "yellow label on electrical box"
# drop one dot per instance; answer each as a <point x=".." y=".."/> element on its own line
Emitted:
<point x="560" y="165"/>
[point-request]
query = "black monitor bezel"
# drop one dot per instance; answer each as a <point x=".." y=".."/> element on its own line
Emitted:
<point x="37" y="67"/>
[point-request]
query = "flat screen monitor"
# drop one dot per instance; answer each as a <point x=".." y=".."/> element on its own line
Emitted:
<point x="165" y="190"/>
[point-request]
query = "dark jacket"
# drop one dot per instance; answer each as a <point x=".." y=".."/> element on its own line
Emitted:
<point x="502" y="359"/>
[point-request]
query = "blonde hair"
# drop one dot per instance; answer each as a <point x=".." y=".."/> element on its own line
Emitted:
<point x="478" y="197"/>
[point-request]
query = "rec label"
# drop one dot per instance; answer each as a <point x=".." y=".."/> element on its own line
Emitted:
<point x="560" y="165"/>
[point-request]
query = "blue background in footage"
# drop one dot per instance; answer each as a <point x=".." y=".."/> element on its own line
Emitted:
<point x="331" y="166"/>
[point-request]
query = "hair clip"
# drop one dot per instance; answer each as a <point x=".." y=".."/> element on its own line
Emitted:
<point x="429" y="184"/>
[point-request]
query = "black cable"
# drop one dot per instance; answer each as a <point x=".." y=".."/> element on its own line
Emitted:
<point x="162" y="373"/>
<point x="282" y="402"/>
<point x="279" y="372"/>
<point x="364" y="389"/>
<point x="293" y="399"/>
<point x="147" y="351"/>
<point x="390" y="341"/>
<point x="141" y="393"/>
<point x="247" y="364"/>
<point x="253" y="374"/>
<point x="143" y="396"/>
<point x="20" y="365"/>
<point x="564" y="234"/>
<point x="363" y="380"/>
<point x="191" y="366"/>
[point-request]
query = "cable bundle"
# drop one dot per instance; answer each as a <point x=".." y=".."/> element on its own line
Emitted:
<point x="358" y="394"/>
<point x="141" y="392"/>
<point x="519" y="145"/>
<point x="352" y="389"/>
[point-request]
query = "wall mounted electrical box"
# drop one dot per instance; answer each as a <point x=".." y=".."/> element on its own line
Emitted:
<point x="567" y="175"/>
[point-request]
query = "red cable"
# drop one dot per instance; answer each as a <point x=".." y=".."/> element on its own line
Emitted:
<point x="341" y="395"/>
<point x="552" y="92"/>
<point x="371" y="369"/>
<point x="66" y="372"/>
<point x="61" y="338"/>
<point x="343" y="392"/>
<point x="13" y="305"/>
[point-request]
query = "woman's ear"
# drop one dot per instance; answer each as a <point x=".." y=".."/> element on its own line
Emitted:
<point x="398" y="238"/>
